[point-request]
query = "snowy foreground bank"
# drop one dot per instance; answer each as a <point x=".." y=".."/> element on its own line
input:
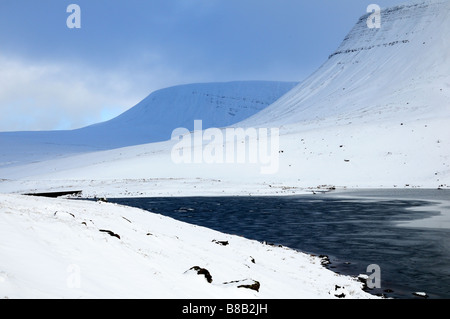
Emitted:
<point x="60" y="248"/>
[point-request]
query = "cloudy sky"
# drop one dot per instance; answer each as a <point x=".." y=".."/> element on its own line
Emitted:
<point x="54" y="77"/>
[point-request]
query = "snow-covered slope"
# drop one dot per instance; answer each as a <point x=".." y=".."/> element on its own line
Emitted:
<point x="376" y="114"/>
<point x="55" y="248"/>
<point x="399" y="70"/>
<point x="151" y="120"/>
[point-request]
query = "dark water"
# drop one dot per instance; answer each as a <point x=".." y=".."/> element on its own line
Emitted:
<point x="352" y="231"/>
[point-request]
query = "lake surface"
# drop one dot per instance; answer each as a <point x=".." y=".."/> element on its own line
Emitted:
<point x="354" y="228"/>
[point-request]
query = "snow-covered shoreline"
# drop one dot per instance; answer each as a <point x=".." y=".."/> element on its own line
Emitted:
<point x="60" y="248"/>
<point x="375" y="115"/>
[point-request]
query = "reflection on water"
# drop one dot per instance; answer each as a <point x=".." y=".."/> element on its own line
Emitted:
<point x="355" y="229"/>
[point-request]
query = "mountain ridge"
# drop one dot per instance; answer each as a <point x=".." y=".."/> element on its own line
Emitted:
<point x="153" y="119"/>
<point x="365" y="119"/>
<point x="372" y="67"/>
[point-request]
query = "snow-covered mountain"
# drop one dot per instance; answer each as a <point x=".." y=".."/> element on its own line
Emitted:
<point x="154" y="118"/>
<point x="375" y="114"/>
<point x="399" y="70"/>
<point x="151" y="120"/>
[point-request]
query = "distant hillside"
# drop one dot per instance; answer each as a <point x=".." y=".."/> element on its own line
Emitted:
<point x="151" y="120"/>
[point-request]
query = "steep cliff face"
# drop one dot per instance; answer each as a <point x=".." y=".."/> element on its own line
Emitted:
<point x="404" y="66"/>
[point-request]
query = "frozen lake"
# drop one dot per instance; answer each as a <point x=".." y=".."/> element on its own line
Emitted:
<point x="406" y="232"/>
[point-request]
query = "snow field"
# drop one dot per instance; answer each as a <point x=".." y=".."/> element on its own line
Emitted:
<point x="59" y="248"/>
